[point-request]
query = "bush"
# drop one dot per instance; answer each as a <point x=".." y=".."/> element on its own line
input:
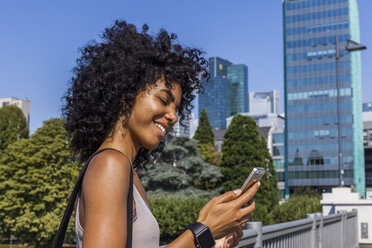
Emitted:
<point x="294" y="209"/>
<point x="174" y="213"/>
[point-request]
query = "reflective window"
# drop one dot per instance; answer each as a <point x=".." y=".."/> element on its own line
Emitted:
<point x="278" y="138"/>
<point x="278" y="163"/>
<point x="278" y="150"/>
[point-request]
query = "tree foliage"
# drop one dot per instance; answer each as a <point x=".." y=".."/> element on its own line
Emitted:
<point x="13" y="125"/>
<point x="294" y="209"/>
<point x="174" y="213"/>
<point x="36" y="178"/>
<point x="307" y="191"/>
<point x="204" y="133"/>
<point x="210" y="153"/>
<point x="182" y="171"/>
<point x="243" y="150"/>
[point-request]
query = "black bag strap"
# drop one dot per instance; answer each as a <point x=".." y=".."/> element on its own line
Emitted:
<point x="60" y="236"/>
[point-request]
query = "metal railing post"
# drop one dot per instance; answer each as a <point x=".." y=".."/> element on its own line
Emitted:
<point x="314" y="243"/>
<point x="256" y="225"/>
<point x="320" y="230"/>
<point x="342" y="227"/>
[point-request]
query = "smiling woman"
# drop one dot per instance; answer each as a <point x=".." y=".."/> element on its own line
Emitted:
<point x="127" y="93"/>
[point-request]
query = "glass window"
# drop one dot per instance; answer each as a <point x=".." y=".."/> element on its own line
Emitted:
<point x="278" y="163"/>
<point x="279" y="176"/>
<point x="278" y="138"/>
<point x="278" y="151"/>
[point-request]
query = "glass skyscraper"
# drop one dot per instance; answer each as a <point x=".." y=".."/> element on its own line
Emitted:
<point x="238" y="78"/>
<point x="311" y="141"/>
<point x="226" y="92"/>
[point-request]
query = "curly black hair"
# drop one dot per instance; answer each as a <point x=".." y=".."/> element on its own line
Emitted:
<point x="110" y="74"/>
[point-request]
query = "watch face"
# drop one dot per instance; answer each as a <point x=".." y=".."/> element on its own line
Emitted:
<point x="205" y="239"/>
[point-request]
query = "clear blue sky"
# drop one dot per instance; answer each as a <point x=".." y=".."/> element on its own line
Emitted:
<point x="40" y="40"/>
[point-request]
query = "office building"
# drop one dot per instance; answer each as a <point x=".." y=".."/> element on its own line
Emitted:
<point x="226" y="92"/>
<point x="367" y="141"/>
<point x="367" y="107"/>
<point x="215" y="99"/>
<point x="179" y="130"/>
<point x="277" y="152"/>
<point x="263" y="102"/>
<point x="24" y="105"/>
<point x="311" y="30"/>
<point x="238" y="78"/>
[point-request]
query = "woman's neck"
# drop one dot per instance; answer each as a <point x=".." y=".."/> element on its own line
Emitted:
<point x="121" y="141"/>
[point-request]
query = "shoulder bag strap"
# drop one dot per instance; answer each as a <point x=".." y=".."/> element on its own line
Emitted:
<point x="60" y="236"/>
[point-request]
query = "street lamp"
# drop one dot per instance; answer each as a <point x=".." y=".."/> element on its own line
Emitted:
<point x="351" y="46"/>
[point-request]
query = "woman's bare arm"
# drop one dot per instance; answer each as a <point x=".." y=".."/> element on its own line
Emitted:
<point x="104" y="195"/>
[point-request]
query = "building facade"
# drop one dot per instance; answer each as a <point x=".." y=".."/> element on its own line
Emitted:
<point x="238" y="79"/>
<point x="264" y="102"/>
<point x="367" y="141"/>
<point x="312" y="156"/>
<point x="226" y="92"/>
<point x="24" y="105"/>
<point x="182" y="130"/>
<point x="367" y="107"/>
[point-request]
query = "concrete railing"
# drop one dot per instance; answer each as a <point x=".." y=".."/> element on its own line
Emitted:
<point x="316" y="231"/>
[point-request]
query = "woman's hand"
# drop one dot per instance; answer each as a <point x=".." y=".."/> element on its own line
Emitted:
<point x="224" y="214"/>
<point x="230" y="240"/>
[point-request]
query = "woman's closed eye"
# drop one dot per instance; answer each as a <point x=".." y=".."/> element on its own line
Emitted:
<point x="165" y="102"/>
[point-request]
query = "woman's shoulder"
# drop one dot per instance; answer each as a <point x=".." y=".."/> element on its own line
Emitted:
<point x="108" y="169"/>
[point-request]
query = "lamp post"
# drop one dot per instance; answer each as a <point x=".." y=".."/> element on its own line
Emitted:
<point x="351" y="46"/>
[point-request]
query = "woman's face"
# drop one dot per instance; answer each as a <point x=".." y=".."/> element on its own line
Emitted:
<point x="153" y="115"/>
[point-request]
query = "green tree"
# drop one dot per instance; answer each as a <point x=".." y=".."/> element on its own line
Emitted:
<point x="13" y="125"/>
<point x="181" y="170"/>
<point x="36" y="178"/>
<point x="307" y="191"/>
<point x="210" y="153"/>
<point x="204" y="133"/>
<point x="243" y="149"/>
<point x="294" y="209"/>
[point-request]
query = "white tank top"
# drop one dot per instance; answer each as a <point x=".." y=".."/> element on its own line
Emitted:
<point x="146" y="231"/>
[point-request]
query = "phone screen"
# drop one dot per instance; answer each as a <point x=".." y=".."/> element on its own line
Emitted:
<point x="255" y="176"/>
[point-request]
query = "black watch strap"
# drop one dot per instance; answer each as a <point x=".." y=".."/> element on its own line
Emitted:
<point x="202" y="234"/>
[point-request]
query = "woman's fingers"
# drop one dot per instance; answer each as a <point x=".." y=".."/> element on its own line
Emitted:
<point x="247" y="196"/>
<point x="228" y="196"/>
<point x="245" y="212"/>
<point x="239" y="232"/>
<point x="234" y="239"/>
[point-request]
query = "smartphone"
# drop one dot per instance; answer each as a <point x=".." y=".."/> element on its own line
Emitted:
<point x="255" y="176"/>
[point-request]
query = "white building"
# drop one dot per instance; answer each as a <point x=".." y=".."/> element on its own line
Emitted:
<point x="263" y="102"/>
<point x="24" y="105"/>
<point x="344" y="199"/>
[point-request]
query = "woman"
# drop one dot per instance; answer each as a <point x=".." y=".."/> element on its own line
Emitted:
<point x="127" y="93"/>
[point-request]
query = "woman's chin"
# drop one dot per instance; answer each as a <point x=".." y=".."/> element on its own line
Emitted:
<point x="151" y="146"/>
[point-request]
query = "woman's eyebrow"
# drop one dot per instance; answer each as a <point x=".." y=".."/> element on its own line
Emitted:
<point x="169" y="93"/>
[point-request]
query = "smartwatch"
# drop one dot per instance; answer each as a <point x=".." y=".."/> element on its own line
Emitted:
<point x="202" y="234"/>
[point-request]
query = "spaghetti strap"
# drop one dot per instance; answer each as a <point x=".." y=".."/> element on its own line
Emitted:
<point x="113" y="149"/>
